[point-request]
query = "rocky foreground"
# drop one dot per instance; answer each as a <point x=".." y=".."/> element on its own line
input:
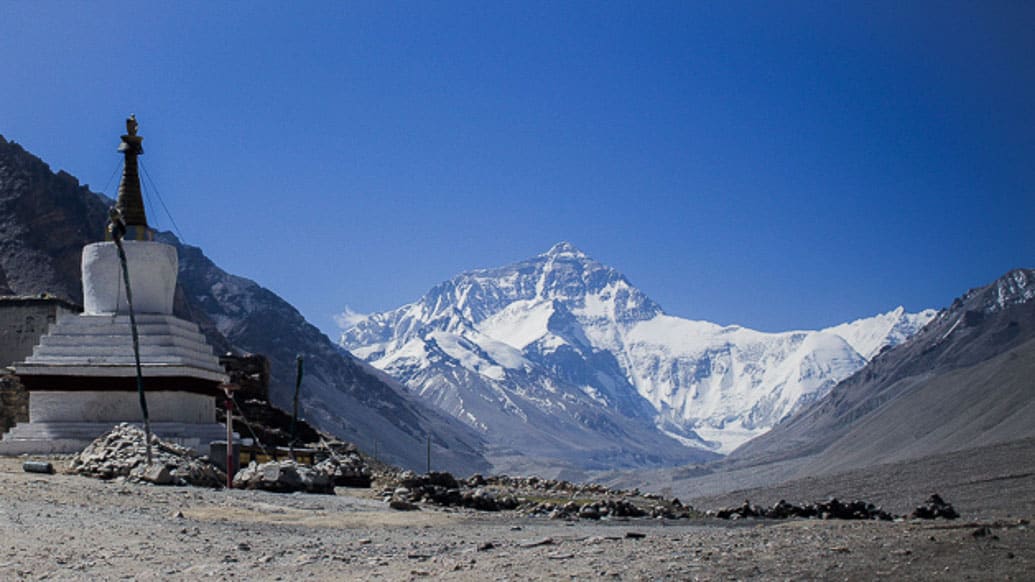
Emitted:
<point x="135" y="520"/>
<point x="123" y="453"/>
<point x="65" y="526"/>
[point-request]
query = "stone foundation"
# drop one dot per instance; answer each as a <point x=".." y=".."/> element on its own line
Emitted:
<point x="65" y="422"/>
<point x="42" y="438"/>
<point x="23" y="320"/>
<point x="116" y="407"/>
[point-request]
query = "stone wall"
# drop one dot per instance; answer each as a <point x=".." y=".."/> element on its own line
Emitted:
<point x="251" y="374"/>
<point x="23" y="320"/>
<point x="14" y="402"/>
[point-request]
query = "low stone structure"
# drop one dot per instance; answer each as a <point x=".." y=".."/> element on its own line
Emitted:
<point x="23" y="319"/>
<point x="250" y="373"/>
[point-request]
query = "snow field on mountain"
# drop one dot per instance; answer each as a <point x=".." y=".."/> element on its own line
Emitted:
<point x="870" y="335"/>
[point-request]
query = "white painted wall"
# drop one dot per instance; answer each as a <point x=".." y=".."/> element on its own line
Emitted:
<point x="86" y="406"/>
<point x="153" y="268"/>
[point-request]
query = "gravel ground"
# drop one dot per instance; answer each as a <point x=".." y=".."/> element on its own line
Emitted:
<point x="65" y="527"/>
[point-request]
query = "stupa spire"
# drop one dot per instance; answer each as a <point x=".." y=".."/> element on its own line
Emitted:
<point x="131" y="202"/>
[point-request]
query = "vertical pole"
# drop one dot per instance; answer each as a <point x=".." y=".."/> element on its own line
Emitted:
<point x="118" y="229"/>
<point x="229" y="440"/>
<point x="294" y="415"/>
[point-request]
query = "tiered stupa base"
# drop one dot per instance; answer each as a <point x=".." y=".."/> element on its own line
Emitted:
<point x="82" y="381"/>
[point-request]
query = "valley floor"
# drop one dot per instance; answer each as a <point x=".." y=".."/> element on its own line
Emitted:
<point x="66" y="527"/>
<point x="989" y="482"/>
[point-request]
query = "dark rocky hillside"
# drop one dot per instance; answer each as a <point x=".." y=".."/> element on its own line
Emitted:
<point x="46" y="218"/>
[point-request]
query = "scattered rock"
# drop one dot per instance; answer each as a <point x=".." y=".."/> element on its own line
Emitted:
<point x="401" y="505"/>
<point x="158" y="474"/>
<point x="934" y="508"/>
<point x="984" y="531"/>
<point x="830" y="509"/>
<point x="589" y="511"/>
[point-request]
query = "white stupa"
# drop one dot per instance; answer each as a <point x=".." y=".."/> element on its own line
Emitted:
<point x="81" y="378"/>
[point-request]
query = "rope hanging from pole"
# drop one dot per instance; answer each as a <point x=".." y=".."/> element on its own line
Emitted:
<point x="117" y="227"/>
<point x="294" y="415"/>
<point x="240" y="412"/>
<point x="227" y="389"/>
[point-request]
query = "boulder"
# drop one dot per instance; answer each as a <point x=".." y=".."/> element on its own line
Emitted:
<point x="934" y="508"/>
<point x="284" y="477"/>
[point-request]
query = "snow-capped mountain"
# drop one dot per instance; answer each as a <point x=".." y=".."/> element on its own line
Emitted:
<point x="871" y="335"/>
<point x="561" y="353"/>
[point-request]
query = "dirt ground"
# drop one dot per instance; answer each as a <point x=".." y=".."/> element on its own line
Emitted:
<point x="65" y="527"/>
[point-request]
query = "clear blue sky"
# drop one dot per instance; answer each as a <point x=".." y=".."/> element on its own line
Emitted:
<point x="778" y="165"/>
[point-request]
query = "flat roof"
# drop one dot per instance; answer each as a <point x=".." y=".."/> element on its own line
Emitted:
<point x="43" y="298"/>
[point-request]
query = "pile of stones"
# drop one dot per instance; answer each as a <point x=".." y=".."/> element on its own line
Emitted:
<point x="285" y="476"/>
<point x="934" y="508"/>
<point x="345" y="469"/>
<point x="538" y="484"/>
<point x="831" y="509"/>
<point x="604" y="508"/>
<point x="345" y="466"/>
<point x="123" y="453"/>
<point x="529" y="496"/>
<point x="440" y="488"/>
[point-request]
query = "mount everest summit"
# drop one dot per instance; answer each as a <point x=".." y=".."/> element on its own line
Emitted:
<point x="559" y="361"/>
